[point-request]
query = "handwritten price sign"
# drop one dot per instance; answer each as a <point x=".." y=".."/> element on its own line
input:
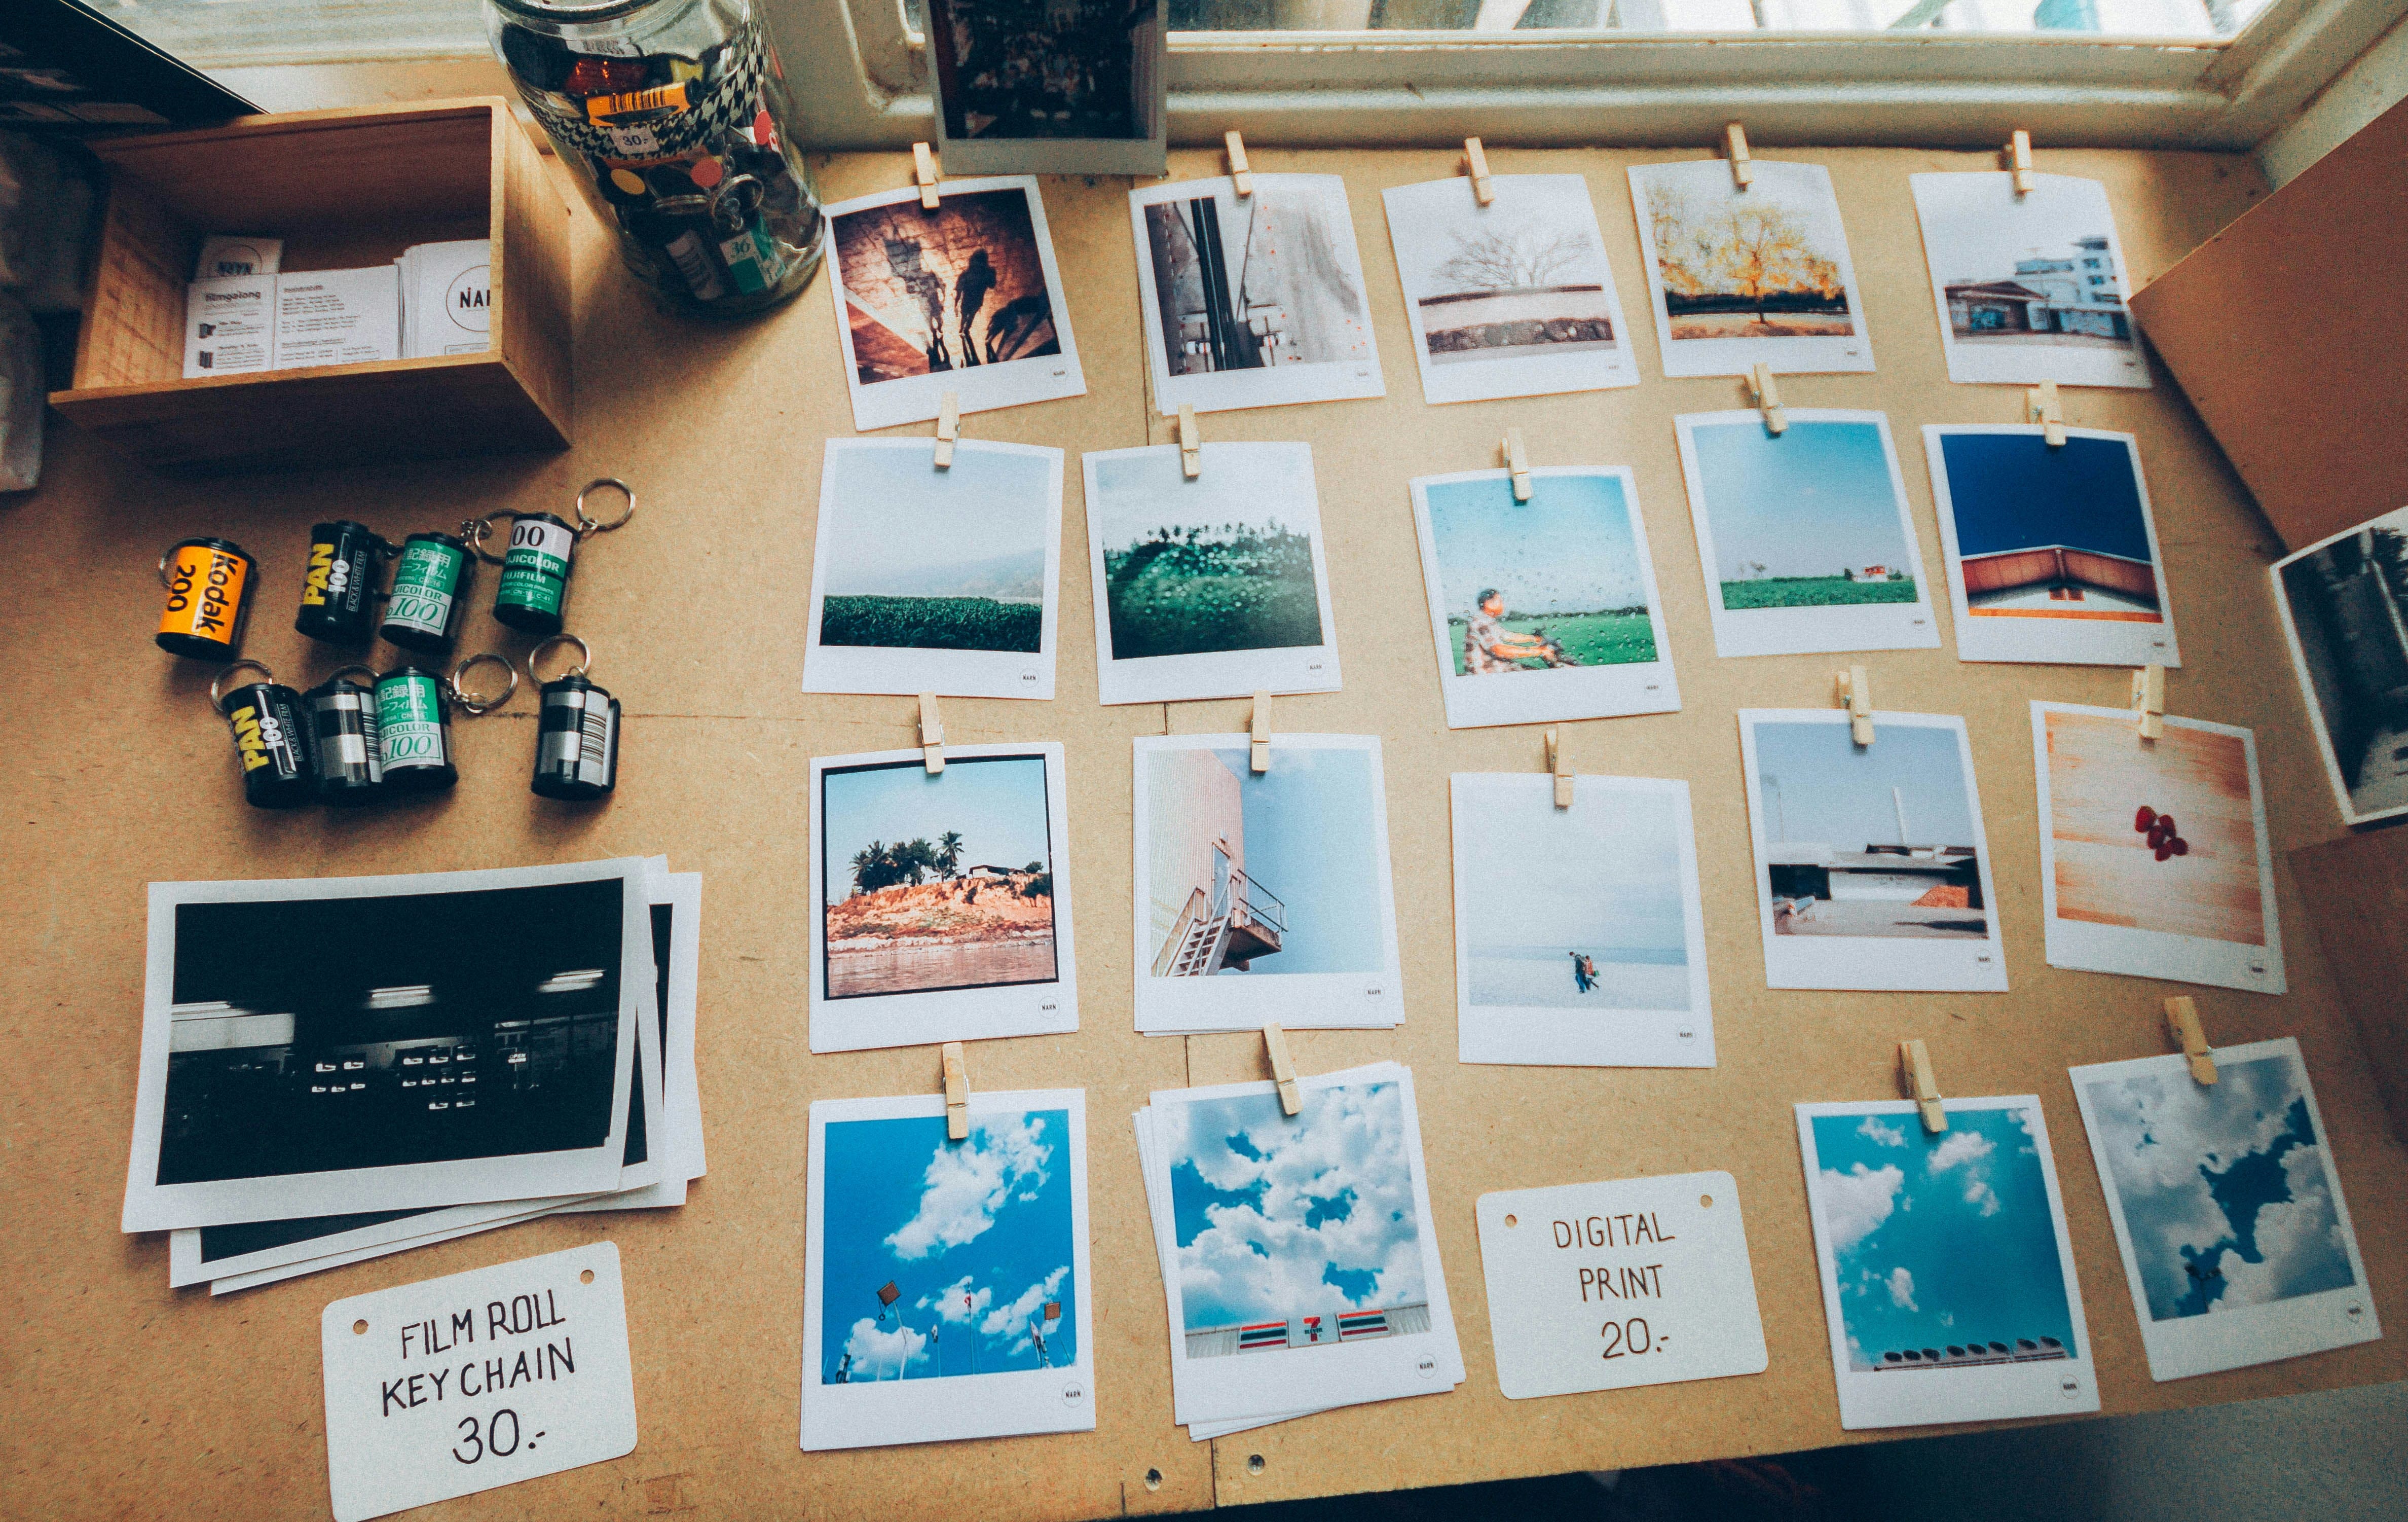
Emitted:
<point x="1598" y="1286"/>
<point x="483" y="1379"/>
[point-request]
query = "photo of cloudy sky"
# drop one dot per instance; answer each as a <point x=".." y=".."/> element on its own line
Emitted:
<point x="943" y="1258"/>
<point x="1280" y="1218"/>
<point x="1939" y="1242"/>
<point x="2224" y="1187"/>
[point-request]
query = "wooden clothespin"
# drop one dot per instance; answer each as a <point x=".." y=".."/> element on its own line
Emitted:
<point x="924" y="174"/>
<point x="2041" y="406"/>
<point x="2149" y="700"/>
<point x="1856" y="696"/>
<point x="957" y="1094"/>
<point x="1561" y="769"/>
<point x="1283" y="1071"/>
<point x="2019" y="161"/>
<point x="1517" y="463"/>
<point x="1260" y="734"/>
<point x="1743" y="168"/>
<point x="1767" y="398"/>
<point x="1191" y="446"/>
<point x="949" y="428"/>
<point x="1475" y="163"/>
<point x="932" y="734"/>
<point x="1914" y="1076"/>
<point x="1241" y="178"/>
<point x="2182" y="1024"/>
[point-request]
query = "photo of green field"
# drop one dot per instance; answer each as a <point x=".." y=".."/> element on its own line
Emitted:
<point x="1614" y="638"/>
<point x="1814" y="592"/>
<point x="1203" y="589"/>
<point x="933" y="623"/>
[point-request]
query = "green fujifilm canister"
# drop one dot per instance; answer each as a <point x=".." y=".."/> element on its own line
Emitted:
<point x="430" y="590"/>
<point x="534" y="591"/>
<point x="414" y="730"/>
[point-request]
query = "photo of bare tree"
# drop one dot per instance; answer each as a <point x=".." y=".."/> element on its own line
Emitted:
<point x="1734" y="269"/>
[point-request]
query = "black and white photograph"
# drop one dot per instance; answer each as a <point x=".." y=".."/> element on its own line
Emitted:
<point x="1580" y="936"/>
<point x="1214" y="587"/>
<point x="329" y="1046"/>
<point x="1741" y="277"/>
<point x="935" y="580"/>
<point x="1513" y="299"/>
<point x="941" y="902"/>
<point x="1049" y="87"/>
<point x="2030" y="287"/>
<point x="1948" y="1278"/>
<point x="2236" y="1240"/>
<point x="1872" y="869"/>
<point x="2345" y="612"/>
<point x="1254" y="300"/>
<point x="966" y="299"/>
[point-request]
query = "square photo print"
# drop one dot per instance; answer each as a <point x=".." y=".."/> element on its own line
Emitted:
<point x="964" y="299"/>
<point x="1948" y="1279"/>
<point x="929" y="580"/>
<point x="1741" y="278"/>
<point x="1050" y="87"/>
<point x="946" y="1290"/>
<point x="2030" y="287"/>
<point x="1871" y="866"/>
<point x="1265" y="896"/>
<point x="939" y="912"/>
<point x="1805" y="535"/>
<point x="1513" y="299"/>
<point x="2154" y="860"/>
<point x="2345" y="605"/>
<point x="1542" y="610"/>
<point x="2052" y="550"/>
<point x="1578" y="936"/>
<point x="1215" y="587"/>
<point x="1254" y="300"/>
<point x="2237" y="1243"/>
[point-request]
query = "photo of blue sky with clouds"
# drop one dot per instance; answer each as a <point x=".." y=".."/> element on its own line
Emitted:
<point x="2223" y="1186"/>
<point x="1939" y="1239"/>
<point x="1814" y="501"/>
<point x="975" y="1236"/>
<point x="1568" y="550"/>
<point x="1276" y="1218"/>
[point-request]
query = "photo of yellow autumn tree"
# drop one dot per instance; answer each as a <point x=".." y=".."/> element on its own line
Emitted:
<point x="1768" y="262"/>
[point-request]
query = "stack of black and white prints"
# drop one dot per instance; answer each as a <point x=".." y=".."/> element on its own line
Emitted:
<point x="336" y="1069"/>
<point x="1299" y="1258"/>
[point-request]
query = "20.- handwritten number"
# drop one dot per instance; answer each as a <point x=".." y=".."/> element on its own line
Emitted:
<point x="489" y="1439"/>
<point x="1625" y="1338"/>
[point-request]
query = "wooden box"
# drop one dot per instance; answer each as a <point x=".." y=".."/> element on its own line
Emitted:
<point x="2358" y="887"/>
<point x="344" y="189"/>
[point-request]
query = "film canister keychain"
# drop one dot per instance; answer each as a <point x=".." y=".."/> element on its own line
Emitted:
<point x="533" y="590"/>
<point x="270" y="738"/>
<point x="577" y="745"/>
<point x="209" y="597"/>
<point x="430" y="588"/>
<point x="339" y="591"/>
<point x="343" y="733"/>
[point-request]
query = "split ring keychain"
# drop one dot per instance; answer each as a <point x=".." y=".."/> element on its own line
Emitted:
<point x="414" y="722"/>
<point x="577" y="745"/>
<point x="270" y="738"/>
<point x="533" y="590"/>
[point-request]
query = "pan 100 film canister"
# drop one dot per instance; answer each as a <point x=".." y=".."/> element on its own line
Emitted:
<point x="270" y="738"/>
<point x="339" y="592"/>
<point x="430" y="591"/>
<point x="209" y="597"/>
<point x="343" y="733"/>
<point x="414" y="730"/>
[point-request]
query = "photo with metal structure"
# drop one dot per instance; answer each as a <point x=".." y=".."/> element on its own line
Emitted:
<point x="951" y="289"/>
<point x="2345" y="604"/>
<point x="2028" y="287"/>
<point x="1041" y="68"/>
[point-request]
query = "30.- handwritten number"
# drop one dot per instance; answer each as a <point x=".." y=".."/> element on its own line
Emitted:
<point x="1625" y="1338"/>
<point x="489" y="1441"/>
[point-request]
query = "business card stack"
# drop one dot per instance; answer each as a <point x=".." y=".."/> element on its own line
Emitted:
<point x="243" y="313"/>
<point x="447" y="297"/>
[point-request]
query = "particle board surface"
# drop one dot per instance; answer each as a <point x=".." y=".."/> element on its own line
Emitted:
<point x="124" y="1392"/>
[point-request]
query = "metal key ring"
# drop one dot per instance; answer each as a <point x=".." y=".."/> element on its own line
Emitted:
<point x="169" y="553"/>
<point x="343" y="671"/>
<point x="217" y="698"/>
<point x="476" y="530"/>
<point x="535" y="657"/>
<point x="481" y="705"/>
<point x="587" y="524"/>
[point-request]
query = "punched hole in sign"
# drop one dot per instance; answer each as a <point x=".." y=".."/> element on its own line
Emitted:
<point x="586" y="1277"/>
<point x="1707" y="1200"/>
<point x="359" y="1328"/>
<point x="1510" y="1221"/>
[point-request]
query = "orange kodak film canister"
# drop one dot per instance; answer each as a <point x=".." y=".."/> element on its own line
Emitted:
<point x="209" y="597"/>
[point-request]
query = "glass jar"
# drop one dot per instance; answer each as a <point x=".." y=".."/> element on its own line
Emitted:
<point x="674" y="114"/>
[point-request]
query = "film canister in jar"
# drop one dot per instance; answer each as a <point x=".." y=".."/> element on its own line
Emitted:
<point x="271" y="737"/>
<point x="209" y="597"/>
<point x="430" y="591"/>
<point x="338" y="591"/>
<point x="414" y="730"/>
<point x="577" y="744"/>
<point x="343" y="731"/>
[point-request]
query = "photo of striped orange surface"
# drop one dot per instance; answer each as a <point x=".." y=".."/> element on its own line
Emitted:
<point x="2100" y="775"/>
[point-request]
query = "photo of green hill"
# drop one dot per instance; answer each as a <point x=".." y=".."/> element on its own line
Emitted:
<point x="1198" y="589"/>
<point x="1612" y="638"/>
<point x="1815" y="591"/>
<point x="933" y="623"/>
